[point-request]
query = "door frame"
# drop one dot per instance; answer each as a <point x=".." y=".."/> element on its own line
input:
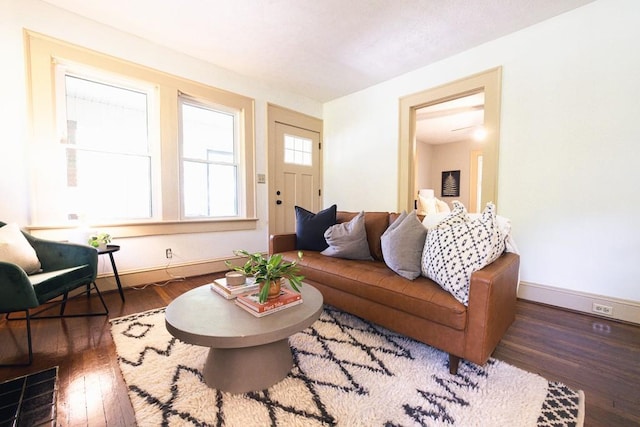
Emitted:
<point x="277" y="114"/>
<point x="490" y="81"/>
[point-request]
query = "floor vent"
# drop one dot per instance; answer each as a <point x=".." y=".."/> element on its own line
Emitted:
<point x="29" y="400"/>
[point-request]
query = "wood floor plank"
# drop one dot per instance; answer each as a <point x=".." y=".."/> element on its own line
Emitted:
<point x="597" y="355"/>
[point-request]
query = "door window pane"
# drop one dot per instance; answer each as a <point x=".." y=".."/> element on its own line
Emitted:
<point x="297" y="150"/>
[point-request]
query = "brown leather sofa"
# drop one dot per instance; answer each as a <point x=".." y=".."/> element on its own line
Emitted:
<point x="418" y="308"/>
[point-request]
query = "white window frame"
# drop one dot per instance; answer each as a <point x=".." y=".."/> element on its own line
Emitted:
<point x="79" y="71"/>
<point x="44" y="54"/>
<point x="237" y="149"/>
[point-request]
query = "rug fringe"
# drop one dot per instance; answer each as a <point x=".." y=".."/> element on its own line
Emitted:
<point x="581" y="408"/>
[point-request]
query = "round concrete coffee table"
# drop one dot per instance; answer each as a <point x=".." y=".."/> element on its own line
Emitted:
<point x="247" y="353"/>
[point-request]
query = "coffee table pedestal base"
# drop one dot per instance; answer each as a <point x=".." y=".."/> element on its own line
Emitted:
<point x="240" y="370"/>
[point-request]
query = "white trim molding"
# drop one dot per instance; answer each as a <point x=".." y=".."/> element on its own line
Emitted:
<point x="164" y="274"/>
<point x="159" y="275"/>
<point x="624" y="310"/>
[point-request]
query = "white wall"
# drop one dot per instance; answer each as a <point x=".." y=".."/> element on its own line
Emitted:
<point x="569" y="150"/>
<point x="569" y="163"/>
<point x="136" y="254"/>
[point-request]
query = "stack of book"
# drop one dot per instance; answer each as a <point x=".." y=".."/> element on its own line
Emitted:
<point x="232" y="291"/>
<point x="249" y="302"/>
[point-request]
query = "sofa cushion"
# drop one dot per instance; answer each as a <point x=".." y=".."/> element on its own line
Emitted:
<point x="452" y="252"/>
<point x="15" y="248"/>
<point x="375" y="223"/>
<point x="402" y="245"/>
<point x="310" y="228"/>
<point x="374" y="281"/>
<point x="348" y="239"/>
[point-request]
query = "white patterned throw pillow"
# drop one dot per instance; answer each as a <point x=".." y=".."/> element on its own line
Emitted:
<point x="455" y="249"/>
<point x="458" y="215"/>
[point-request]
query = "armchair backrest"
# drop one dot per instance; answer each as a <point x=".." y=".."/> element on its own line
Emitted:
<point x="60" y="255"/>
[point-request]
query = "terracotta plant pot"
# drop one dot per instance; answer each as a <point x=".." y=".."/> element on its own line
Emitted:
<point x="274" y="288"/>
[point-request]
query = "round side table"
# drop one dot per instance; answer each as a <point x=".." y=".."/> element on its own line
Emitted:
<point x="110" y="250"/>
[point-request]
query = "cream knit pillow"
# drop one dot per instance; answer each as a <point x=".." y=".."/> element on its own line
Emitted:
<point x="15" y="248"/>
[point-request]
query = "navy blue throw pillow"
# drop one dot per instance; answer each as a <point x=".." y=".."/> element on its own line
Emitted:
<point x="310" y="228"/>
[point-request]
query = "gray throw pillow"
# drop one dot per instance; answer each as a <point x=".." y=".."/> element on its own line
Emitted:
<point x="402" y="245"/>
<point x="348" y="240"/>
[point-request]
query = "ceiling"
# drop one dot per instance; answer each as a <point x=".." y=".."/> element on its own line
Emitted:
<point x="459" y="119"/>
<point x="321" y="49"/>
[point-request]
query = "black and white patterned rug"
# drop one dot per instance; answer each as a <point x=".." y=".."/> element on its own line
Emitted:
<point x="347" y="372"/>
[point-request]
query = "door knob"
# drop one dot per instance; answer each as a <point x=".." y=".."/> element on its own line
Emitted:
<point x="278" y="202"/>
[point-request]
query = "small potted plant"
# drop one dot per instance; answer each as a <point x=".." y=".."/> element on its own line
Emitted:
<point x="100" y="241"/>
<point x="270" y="270"/>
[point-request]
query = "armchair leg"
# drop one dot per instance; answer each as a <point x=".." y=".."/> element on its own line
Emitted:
<point x="106" y="309"/>
<point x="51" y="305"/>
<point x="29" y="344"/>
<point x="63" y="305"/>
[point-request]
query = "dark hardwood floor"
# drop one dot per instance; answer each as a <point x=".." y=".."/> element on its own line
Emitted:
<point x="599" y="356"/>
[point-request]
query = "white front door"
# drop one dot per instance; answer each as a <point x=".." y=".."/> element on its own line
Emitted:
<point x="296" y="176"/>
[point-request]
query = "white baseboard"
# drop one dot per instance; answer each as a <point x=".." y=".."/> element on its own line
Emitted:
<point x="160" y="275"/>
<point x="625" y="310"/>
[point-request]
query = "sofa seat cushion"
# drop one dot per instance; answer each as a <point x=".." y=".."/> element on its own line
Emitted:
<point x="374" y="281"/>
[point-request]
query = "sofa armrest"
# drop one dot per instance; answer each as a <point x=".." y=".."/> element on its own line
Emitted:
<point x="279" y="243"/>
<point x="492" y="306"/>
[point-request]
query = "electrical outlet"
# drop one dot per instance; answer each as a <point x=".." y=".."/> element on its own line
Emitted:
<point x="601" y="328"/>
<point x="606" y="310"/>
<point x="168" y="253"/>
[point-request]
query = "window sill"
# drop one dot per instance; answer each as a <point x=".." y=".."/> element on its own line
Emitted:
<point x="151" y="228"/>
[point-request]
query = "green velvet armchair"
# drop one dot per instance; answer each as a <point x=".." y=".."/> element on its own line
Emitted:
<point x="64" y="268"/>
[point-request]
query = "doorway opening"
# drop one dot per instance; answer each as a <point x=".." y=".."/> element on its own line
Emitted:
<point x="446" y="134"/>
<point x="466" y="91"/>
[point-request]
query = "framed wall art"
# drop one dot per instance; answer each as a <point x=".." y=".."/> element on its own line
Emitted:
<point x="450" y="184"/>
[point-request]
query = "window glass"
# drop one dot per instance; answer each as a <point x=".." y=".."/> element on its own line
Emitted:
<point x="108" y="163"/>
<point x="209" y="160"/>
<point x="121" y="149"/>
